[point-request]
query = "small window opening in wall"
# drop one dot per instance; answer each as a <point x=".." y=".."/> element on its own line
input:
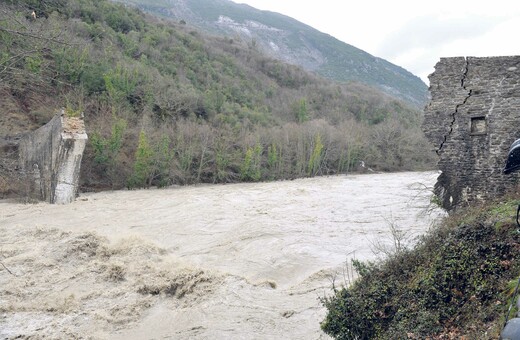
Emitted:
<point x="478" y="125"/>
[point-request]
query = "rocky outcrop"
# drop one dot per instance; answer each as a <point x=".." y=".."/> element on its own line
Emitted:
<point x="50" y="159"/>
<point x="472" y="120"/>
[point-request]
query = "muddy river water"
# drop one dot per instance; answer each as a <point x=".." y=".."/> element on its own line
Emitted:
<point x="276" y="247"/>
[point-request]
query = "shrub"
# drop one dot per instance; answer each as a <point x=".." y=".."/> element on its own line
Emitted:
<point x="451" y="282"/>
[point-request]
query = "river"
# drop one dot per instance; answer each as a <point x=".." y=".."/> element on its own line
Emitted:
<point x="258" y="256"/>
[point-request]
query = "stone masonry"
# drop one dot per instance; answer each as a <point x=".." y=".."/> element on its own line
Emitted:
<point x="51" y="158"/>
<point x="472" y="120"/>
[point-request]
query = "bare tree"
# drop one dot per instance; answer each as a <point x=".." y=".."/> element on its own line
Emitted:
<point x="26" y="39"/>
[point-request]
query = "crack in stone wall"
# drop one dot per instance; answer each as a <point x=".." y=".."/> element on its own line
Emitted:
<point x="454" y="115"/>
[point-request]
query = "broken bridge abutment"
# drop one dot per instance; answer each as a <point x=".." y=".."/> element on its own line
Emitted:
<point x="50" y="158"/>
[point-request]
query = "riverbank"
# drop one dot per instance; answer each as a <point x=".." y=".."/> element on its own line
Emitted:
<point x="457" y="283"/>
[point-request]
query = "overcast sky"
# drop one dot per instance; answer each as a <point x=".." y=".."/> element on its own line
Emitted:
<point x="412" y="34"/>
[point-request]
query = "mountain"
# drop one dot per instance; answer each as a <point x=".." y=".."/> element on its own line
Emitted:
<point x="289" y="40"/>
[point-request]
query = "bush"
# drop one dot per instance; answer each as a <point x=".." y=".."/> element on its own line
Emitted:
<point x="452" y="282"/>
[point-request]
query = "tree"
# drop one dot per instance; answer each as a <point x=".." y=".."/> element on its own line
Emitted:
<point x="316" y="156"/>
<point x="144" y="164"/>
<point x="163" y="157"/>
<point x="26" y="42"/>
<point x="301" y="112"/>
<point x="251" y="167"/>
<point x="107" y="150"/>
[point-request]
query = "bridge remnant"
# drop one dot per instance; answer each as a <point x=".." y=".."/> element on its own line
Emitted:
<point x="50" y="158"/>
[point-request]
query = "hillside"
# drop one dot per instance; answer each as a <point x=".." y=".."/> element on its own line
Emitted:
<point x="457" y="283"/>
<point x="165" y="104"/>
<point x="294" y="42"/>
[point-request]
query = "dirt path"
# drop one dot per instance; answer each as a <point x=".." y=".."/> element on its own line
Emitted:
<point x="225" y="261"/>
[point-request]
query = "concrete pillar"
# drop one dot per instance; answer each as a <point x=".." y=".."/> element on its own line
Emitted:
<point x="51" y="158"/>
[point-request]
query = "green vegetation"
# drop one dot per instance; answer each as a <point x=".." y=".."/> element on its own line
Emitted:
<point x="301" y="44"/>
<point x="456" y="283"/>
<point x="164" y="104"/>
<point x="316" y="156"/>
<point x="143" y="166"/>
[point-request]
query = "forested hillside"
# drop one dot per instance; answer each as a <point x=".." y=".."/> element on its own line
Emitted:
<point x="289" y="40"/>
<point x="165" y="104"/>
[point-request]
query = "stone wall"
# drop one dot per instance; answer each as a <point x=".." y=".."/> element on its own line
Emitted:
<point x="50" y="158"/>
<point x="472" y="120"/>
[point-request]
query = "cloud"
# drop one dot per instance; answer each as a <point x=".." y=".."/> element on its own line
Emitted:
<point x="411" y="33"/>
<point x="422" y="41"/>
<point x="428" y="32"/>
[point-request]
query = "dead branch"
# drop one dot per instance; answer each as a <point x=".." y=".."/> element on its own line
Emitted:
<point x="34" y="36"/>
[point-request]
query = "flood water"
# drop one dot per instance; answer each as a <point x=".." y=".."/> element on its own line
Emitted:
<point x="276" y="246"/>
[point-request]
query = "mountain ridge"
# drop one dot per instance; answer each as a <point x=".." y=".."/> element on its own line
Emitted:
<point x="289" y="40"/>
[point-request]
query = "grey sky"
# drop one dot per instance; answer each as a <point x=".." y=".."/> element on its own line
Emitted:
<point x="432" y="33"/>
<point x="413" y="34"/>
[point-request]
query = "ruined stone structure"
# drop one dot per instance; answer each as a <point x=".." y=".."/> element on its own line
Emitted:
<point x="50" y="158"/>
<point x="472" y="120"/>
